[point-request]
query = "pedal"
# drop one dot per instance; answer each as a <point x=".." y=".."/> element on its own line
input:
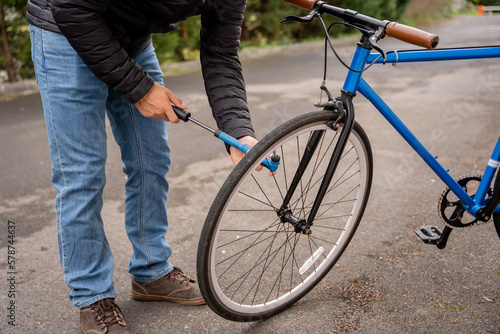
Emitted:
<point x="429" y="234"/>
<point x="433" y="235"/>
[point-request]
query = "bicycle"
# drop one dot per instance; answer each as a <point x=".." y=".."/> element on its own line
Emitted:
<point x="269" y="238"/>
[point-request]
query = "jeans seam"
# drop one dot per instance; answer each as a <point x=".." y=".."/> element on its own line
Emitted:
<point x="143" y="192"/>
<point x="41" y="51"/>
<point x="32" y="53"/>
<point x="56" y="143"/>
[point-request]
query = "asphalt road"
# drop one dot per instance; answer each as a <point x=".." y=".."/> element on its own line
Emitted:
<point x="387" y="281"/>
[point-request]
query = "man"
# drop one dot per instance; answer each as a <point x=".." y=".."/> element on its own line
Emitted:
<point x="93" y="56"/>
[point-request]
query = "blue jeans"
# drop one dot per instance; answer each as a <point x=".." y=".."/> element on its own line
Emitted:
<point x="75" y="103"/>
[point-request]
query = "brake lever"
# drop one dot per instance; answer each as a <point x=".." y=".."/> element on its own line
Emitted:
<point x="302" y="19"/>
<point x="374" y="38"/>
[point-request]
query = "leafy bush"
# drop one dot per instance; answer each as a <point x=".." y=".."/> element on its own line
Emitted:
<point x="261" y="27"/>
<point x="15" y="56"/>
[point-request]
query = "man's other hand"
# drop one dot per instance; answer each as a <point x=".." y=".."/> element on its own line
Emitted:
<point x="237" y="155"/>
<point x="157" y="104"/>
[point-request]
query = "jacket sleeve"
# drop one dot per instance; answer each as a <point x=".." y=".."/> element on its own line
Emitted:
<point x="83" y="24"/>
<point x="222" y="72"/>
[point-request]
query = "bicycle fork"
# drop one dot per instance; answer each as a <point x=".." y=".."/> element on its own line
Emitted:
<point x="344" y="106"/>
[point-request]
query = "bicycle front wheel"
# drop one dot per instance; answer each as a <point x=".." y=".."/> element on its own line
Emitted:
<point x="252" y="264"/>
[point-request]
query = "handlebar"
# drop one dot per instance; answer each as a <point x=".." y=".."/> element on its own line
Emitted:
<point x="412" y="35"/>
<point x="392" y="29"/>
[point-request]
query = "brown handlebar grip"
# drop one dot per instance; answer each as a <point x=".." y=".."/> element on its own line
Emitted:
<point x="306" y="4"/>
<point x="412" y="35"/>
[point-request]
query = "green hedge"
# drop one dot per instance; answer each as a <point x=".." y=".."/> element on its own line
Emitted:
<point x="261" y="27"/>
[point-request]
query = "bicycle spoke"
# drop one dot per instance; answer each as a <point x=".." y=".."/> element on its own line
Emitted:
<point x="321" y="178"/>
<point x="259" y="279"/>
<point x="284" y="165"/>
<point x="315" y="168"/>
<point x="292" y="252"/>
<point x="347" y="169"/>
<point x="238" y="253"/>
<point x="251" y="210"/>
<point x="315" y="244"/>
<point x="336" y="185"/>
<point x="328" y="242"/>
<point x="279" y="276"/>
<point x="264" y="269"/>
<point x="327" y="204"/>
<point x="277" y="186"/>
<point x="329" y="227"/>
<point x="242" y="252"/>
<point x="276" y="221"/>
<point x="329" y="218"/>
<point x="319" y="216"/>
<point x="345" y="154"/>
<point x="256" y="199"/>
<point x="247" y="231"/>
<point x="297" y="237"/>
<point x="248" y="272"/>
<point x="263" y="192"/>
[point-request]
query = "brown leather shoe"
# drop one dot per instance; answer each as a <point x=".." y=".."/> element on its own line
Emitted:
<point x="175" y="287"/>
<point x="103" y="316"/>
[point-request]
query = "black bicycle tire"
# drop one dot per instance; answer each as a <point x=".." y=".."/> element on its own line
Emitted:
<point x="496" y="216"/>
<point x="209" y="228"/>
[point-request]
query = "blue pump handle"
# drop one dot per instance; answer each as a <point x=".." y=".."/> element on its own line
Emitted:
<point x="268" y="162"/>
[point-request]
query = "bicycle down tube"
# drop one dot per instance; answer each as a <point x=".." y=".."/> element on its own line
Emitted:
<point x="354" y="82"/>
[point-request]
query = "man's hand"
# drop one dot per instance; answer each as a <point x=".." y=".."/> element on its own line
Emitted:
<point x="237" y="155"/>
<point x="157" y="104"/>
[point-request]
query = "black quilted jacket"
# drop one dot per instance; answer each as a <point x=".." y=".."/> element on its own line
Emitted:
<point x="106" y="33"/>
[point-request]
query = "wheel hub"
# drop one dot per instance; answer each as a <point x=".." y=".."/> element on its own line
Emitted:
<point x="300" y="225"/>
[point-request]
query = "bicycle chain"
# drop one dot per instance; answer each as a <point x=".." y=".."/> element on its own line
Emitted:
<point x="444" y="203"/>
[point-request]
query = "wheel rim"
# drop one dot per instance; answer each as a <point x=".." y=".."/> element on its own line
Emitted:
<point x="257" y="263"/>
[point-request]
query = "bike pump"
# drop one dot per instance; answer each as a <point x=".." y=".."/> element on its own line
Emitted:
<point x="272" y="163"/>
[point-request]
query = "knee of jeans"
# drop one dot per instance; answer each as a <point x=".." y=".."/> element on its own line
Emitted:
<point x="88" y="176"/>
<point x="161" y="165"/>
<point x="136" y="169"/>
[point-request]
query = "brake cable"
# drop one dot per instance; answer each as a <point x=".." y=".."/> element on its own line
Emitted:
<point x="329" y="41"/>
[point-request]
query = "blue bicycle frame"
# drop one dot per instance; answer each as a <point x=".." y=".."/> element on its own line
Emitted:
<point x="355" y="83"/>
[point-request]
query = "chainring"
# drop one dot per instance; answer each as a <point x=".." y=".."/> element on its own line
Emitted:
<point x="451" y="209"/>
